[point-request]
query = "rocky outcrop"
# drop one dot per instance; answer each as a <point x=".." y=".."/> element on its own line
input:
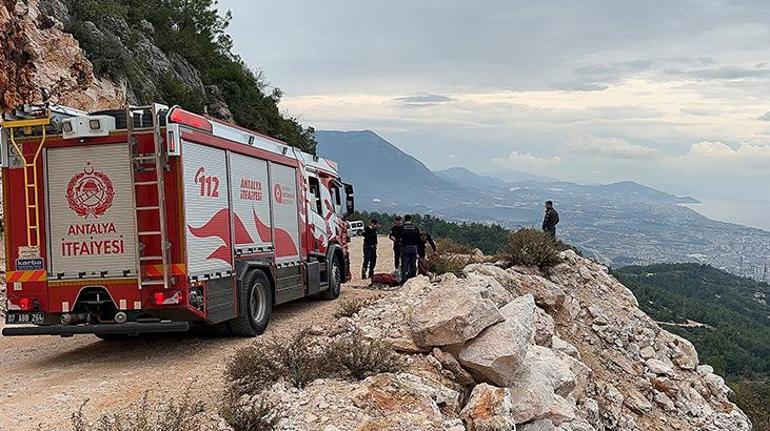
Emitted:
<point x="40" y="62"/>
<point x="451" y="316"/>
<point x="569" y="351"/>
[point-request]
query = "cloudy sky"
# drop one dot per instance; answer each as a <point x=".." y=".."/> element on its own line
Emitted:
<point x="675" y="95"/>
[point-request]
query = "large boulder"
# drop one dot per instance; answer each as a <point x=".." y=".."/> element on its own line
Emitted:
<point x="488" y="409"/>
<point x="448" y="316"/>
<point x="395" y="395"/>
<point x="487" y="287"/>
<point x="505" y="278"/>
<point x="547" y="294"/>
<point x="497" y="352"/>
<point x="540" y="386"/>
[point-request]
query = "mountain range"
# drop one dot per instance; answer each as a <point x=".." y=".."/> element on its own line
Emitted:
<point x="619" y="224"/>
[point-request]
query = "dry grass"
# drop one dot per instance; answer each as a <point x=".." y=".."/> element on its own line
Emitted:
<point x="177" y="415"/>
<point x="349" y="307"/>
<point x="257" y="416"/>
<point x="360" y="357"/>
<point x="302" y="359"/>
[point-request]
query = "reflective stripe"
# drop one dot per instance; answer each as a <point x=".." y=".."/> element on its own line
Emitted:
<point x="25" y="276"/>
<point x="156" y="270"/>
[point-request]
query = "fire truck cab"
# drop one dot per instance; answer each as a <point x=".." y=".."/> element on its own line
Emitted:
<point x="154" y="219"/>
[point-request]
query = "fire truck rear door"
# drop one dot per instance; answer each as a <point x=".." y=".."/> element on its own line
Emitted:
<point x="91" y="219"/>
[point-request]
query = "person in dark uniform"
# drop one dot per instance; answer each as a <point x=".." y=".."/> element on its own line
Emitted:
<point x="550" y="220"/>
<point x="422" y="263"/>
<point x="410" y="241"/>
<point x="395" y="236"/>
<point x="370" y="248"/>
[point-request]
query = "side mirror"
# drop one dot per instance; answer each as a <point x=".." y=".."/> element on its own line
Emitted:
<point x="350" y="206"/>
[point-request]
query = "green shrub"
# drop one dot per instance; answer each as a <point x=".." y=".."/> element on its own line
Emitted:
<point x="448" y="263"/>
<point x="531" y="247"/>
<point x="448" y="245"/>
<point x="360" y="357"/>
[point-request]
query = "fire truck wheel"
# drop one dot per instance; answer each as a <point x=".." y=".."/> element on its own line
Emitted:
<point x="255" y="305"/>
<point x="335" y="275"/>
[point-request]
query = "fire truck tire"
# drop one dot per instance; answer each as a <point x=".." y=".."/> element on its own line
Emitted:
<point x="335" y="277"/>
<point x="255" y="302"/>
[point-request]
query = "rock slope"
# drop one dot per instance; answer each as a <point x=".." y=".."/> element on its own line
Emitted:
<point x="498" y="349"/>
<point x="40" y="62"/>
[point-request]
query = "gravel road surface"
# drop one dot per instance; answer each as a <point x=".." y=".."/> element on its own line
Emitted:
<point x="44" y="379"/>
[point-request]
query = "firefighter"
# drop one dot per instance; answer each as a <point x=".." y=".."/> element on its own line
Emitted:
<point x="395" y="236"/>
<point x="422" y="263"/>
<point x="550" y="220"/>
<point x="370" y="248"/>
<point x="410" y="241"/>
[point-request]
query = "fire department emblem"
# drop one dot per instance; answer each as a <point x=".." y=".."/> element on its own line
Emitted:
<point x="90" y="192"/>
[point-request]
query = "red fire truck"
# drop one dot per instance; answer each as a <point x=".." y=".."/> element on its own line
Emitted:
<point x="155" y="219"/>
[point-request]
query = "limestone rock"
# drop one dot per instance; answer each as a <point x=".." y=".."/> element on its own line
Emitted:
<point x="497" y="352"/>
<point x="488" y="409"/>
<point x="451" y="316"/>
<point x="487" y="287"/>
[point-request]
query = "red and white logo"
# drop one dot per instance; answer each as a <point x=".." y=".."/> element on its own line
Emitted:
<point x="90" y="192"/>
<point x="278" y="193"/>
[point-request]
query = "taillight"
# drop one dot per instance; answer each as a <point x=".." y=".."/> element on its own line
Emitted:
<point x="167" y="297"/>
<point x="25" y="304"/>
<point x="181" y="116"/>
<point x="159" y="298"/>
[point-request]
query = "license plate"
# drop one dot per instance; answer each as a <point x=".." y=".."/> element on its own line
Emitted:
<point x="22" y="318"/>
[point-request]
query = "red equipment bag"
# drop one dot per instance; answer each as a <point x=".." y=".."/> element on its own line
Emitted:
<point x="385" y="278"/>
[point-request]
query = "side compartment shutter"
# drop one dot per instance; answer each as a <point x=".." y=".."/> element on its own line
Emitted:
<point x="283" y="185"/>
<point x="252" y="219"/>
<point x="207" y="211"/>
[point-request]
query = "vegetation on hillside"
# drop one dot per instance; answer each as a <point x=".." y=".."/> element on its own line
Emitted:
<point x="490" y="239"/>
<point x="736" y="338"/>
<point x="194" y="30"/>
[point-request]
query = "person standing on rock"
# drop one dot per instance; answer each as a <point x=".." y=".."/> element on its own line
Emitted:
<point x="410" y="242"/>
<point x="370" y="248"/>
<point x="395" y="236"/>
<point x="550" y="220"/>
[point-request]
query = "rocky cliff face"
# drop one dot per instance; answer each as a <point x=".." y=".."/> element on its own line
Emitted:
<point x="517" y="349"/>
<point x="39" y="62"/>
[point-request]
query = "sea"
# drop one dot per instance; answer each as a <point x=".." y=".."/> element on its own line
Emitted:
<point x="748" y="213"/>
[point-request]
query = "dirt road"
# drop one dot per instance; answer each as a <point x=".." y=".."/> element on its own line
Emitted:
<point x="44" y="379"/>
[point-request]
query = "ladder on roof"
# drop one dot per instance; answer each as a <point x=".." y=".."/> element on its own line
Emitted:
<point x="147" y="173"/>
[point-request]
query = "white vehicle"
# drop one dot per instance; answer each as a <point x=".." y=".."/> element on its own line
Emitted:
<point x="355" y="228"/>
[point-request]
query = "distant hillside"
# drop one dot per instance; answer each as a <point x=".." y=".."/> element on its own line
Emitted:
<point x="736" y="337"/>
<point x="466" y="177"/>
<point x="737" y="308"/>
<point x="383" y="175"/>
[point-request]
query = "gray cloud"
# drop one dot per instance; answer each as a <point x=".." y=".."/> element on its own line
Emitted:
<point x="703" y="62"/>
<point x="423" y="100"/>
